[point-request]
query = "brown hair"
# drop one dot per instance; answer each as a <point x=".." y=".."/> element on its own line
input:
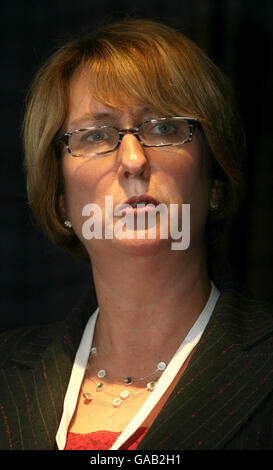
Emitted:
<point x="151" y="62"/>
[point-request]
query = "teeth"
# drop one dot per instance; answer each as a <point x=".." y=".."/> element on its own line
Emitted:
<point x="134" y="204"/>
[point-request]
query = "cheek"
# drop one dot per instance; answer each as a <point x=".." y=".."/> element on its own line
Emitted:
<point x="79" y="183"/>
<point x="84" y="184"/>
<point x="187" y="182"/>
<point x="185" y="178"/>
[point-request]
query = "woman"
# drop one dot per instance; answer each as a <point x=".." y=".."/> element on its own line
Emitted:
<point x="168" y="359"/>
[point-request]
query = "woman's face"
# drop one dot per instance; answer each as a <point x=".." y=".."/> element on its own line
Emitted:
<point x="171" y="175"/>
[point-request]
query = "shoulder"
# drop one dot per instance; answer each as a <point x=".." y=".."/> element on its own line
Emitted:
<point x="245" y="304"/>
<point x="244" y="321"/>
<point x="32" y="342"/>
<point x="27" y="346"/>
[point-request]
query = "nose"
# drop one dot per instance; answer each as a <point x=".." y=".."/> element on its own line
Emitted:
<point x="134" y="162"/>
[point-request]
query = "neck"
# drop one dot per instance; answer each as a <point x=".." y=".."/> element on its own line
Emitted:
<point x="147" y="309"/>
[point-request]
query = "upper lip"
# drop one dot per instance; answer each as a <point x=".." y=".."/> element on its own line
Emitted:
<point x="142" y="198"/>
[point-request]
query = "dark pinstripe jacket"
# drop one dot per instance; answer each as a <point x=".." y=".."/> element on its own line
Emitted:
<point x="222" y="401"/>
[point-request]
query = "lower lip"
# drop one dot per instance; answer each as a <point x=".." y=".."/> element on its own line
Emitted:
<point x="135" y="210"/>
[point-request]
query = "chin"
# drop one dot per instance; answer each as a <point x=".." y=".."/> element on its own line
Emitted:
<point x="141" y="247"/>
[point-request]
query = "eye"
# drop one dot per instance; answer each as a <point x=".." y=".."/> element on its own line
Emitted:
<point x="163" y="128"/>
<point x="95" y="136"/>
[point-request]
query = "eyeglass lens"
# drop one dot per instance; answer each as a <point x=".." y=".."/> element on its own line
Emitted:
<point x="151" y="133"/>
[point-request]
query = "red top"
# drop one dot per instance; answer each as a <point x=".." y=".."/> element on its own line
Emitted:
<point x="102" y="440"/>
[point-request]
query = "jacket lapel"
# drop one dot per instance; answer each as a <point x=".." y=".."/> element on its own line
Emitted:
<point x="226" y="379"/>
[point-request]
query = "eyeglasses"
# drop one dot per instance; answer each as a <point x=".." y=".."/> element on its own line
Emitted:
<point x="101" y="140"/>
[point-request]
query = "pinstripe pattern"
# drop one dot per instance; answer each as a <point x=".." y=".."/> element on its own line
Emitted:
<point x="35" y="366"/>
<point x="224" y="398"/>
<point x="222" y="401"/>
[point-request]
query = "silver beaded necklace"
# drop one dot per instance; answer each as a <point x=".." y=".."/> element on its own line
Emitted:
<point x="125" y="396"/>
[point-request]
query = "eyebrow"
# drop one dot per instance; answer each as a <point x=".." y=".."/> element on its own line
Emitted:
<point x="104" y="117"/>
<point x="93" y="118"/>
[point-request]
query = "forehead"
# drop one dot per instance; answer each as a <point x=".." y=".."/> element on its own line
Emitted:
<point x="83" y="107"/>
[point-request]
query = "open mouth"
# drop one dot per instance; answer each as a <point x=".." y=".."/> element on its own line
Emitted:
<point x="142" y="199"/>
<point x="137" y="204"/>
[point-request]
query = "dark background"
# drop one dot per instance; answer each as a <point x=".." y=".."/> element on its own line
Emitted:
<point x="40" y="283"/>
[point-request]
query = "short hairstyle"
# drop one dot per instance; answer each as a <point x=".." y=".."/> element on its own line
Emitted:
<point x="130" y="59"/>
